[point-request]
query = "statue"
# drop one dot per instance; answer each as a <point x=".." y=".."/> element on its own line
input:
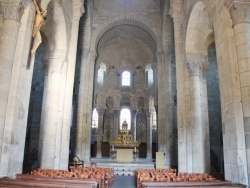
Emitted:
<point x="38" y="23"/>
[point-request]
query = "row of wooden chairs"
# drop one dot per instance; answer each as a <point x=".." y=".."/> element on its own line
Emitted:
<point x="105" y="175"/>
<point x="170" y="175"/>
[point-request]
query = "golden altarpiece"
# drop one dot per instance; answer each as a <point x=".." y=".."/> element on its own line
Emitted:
<point x="124" y="149"/>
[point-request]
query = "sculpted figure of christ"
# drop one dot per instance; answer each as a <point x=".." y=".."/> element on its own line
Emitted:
<point x="38" y="23"/>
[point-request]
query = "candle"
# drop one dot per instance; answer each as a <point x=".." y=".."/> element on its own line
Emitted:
<point x="112" y="147"/>
<point x="135" y="149"/>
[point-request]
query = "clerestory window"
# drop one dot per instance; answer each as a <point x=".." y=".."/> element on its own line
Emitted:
<point x="125" y="78"/>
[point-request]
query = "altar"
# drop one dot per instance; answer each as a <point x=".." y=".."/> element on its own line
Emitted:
<point x="124" y="149"/>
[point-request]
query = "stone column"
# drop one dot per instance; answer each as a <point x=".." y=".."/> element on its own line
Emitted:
<point x="49" y="128"/>
<point x="149" y="133"/>
<point x="116" y="127"/>
<point x="205" y="118"/>
<point x="194" y="66"/>
<point x="163" y="98"/>
<point x="12" y="12"/>
<point x="69" y="84"/>
<point x="133" y="123"/>
<point x="100" y="131"/>
<point x="84" y="110"/>
<point x="176" y="6"/>
<point x="241" y="24"/>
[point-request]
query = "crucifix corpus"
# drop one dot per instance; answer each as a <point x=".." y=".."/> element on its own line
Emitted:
<point x="36" y="35"/>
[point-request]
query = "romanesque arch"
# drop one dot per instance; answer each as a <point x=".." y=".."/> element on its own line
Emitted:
<point x="139" y="22"/>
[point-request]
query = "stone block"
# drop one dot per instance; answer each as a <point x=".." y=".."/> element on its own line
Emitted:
<point x="247" y="124"/>
<point x="234" y="172"/>
<point x="233" y="141"/>
<point x="244" y="65"/>
<point x="246" y="108"/>
<point x="243" y="51"/>
<point x="245" y="93"/>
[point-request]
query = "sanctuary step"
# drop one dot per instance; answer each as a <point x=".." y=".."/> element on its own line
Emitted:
<point x="124" y="169"/>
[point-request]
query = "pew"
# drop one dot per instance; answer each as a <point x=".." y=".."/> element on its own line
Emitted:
<point x="191" y="184"/>
<point x="89" y="182"/>
<point x="34" y="183"/>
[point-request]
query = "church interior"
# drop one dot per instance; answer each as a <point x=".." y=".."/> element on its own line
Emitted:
<point x="154" y="82"/>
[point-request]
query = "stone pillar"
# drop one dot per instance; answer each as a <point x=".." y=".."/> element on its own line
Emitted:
<point x="205" y="115"/>
<point x="149" y="133"/>
<point x="100" y="132"/>
<point x="133" y="123"/>
<point x="84" y="110"/>
<point x="116" y="127"/>
<point x="12" y="12"/>
<point x="49" y="128"/>
<point x="69" y="84"/>
<point x="241" y="24"/>
<point x="163" y="99"/>
<point x="180" y="83"/>
<point x="194" y="66"/>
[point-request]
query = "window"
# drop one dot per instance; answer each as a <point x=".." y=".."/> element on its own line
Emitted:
<point x="125" y="78"/>
<point x="100" y="74"/>
<point x="95" y="119"/>
<point x="154" y="121"/>
<point x="125" y="116"/>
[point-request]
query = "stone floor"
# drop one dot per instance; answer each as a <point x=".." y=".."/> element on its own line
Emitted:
<point x="124" y="182"/>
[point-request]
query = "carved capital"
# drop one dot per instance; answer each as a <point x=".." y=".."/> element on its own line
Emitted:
<point x="195" y="63"/>
<point x="240" y="12"/>
<point x="194" y="68"/>
<point x="12" y="10"/>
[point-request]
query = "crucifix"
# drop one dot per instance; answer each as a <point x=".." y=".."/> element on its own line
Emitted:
<point x="36" y="35"/>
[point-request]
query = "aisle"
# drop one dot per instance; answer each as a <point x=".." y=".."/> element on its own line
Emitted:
<point x="124" y="182"/>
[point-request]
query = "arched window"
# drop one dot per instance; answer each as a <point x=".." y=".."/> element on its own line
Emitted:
<point x="149" y="76"/>
<point x="154" y="121"/>
<point x="125" y="116"/>
<point x="95" y="119"/>
<point x="125" y="78"/>
<point x="100" y="74"/>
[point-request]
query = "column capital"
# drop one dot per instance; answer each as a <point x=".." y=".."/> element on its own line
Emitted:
<point x="100" y="111"/>
<point x="195" y="62"/>
<point x="12" y="10"/>
<point x="240" y="11"/>
<point x="134" y="113"/>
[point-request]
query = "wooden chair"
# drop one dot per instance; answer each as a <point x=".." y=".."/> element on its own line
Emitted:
<point x="77" y="162"/>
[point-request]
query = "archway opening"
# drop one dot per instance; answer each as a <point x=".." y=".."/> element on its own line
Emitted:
<point x="125" y="116"/>
<point x="204" y="92"/>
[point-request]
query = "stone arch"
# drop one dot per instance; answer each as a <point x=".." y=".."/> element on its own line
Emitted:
<point x="197" y="31"/>
<point x="121" y="20"/>
<point x="56" y="42"/>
